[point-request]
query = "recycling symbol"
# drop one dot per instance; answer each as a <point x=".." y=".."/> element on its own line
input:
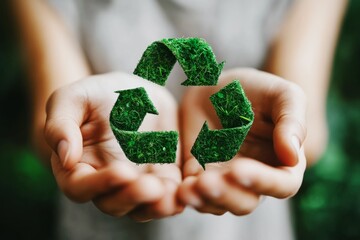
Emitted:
<point x="198" y="61"/>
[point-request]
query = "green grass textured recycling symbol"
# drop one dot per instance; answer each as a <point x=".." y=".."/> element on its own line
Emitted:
<point x="198" y="61"/>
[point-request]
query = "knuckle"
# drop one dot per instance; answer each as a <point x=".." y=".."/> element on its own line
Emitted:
<point x="246" y="207"/>
<point x="285" y="85"/>
<point x="296" y="90"/>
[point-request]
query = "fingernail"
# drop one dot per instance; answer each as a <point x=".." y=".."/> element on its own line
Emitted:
<point x="63" y="151"/>
<point x="296" y="143"/>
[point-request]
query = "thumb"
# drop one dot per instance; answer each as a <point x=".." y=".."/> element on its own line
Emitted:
<point x="290" y="127"/>
<point x="65" y="114"/>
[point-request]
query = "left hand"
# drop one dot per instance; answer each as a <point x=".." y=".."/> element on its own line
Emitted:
<point x="87" y="161"/>
<point x="271" y="160"/>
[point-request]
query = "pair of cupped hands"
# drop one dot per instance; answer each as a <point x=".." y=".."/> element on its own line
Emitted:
<point x="89" y="165"/>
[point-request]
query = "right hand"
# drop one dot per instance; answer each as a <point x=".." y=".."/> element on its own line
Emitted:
<point x="87" y="161"/>
<point x="271" y="160"/>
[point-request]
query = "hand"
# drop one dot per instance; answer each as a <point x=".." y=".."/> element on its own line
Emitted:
<point x="87" y="161"/>
<point x="271" y="160"/>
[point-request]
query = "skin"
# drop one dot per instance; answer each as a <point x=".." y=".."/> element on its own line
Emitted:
<point x="302" y="53"/>
<point x="88" y="163"/>
<point x="47" y="55"/>
<point x="89" y="166"/>
<point x="271" y="160"/>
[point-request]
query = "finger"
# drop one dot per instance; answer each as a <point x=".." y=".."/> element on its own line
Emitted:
<point x="65" y="114"/>
<point x="83" y="182"/>
<point x="169" y="121"/>
<point x="212" y="209"/>
<point x="260" y="149"/>
<point x="281" y="101"/>
<point x="166" y="206"/>
<point x="196" y="108"/>
<point x="165" y="171"/>
<point x="289" y="117"/>
<point x="279" y="182"/>
<point x="221" y="193"/>
<point x="187" y="193"/>
<point x="146" y="189"/>
<point x="192" y="167"/>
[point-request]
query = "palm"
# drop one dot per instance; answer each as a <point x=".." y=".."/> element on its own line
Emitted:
<point x="260" y="143"/>
<point x="100" y="145"/>
<point x="268" y="163"/>
<point x="100" y="172"/>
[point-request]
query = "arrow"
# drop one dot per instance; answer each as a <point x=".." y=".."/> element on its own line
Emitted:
<point x="198" y="61"/>
<point x="148" y="147"/>
<point x="140" y="147"/>
<point x="130" y="109"/>
<point x="194" y="55"/>
<point x="236" y="117"/>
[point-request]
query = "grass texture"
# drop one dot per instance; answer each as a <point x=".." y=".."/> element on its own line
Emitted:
<point x="140" y="147"/>
<point x="194" y="55"/>
<point x="130" y="109"/>
<point x="198" y="61"/>
<point x="148" y="147"/>
<point x="236" y="116"/>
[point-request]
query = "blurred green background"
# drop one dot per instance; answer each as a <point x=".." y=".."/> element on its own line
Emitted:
<point x="27" y="189"/>
<point x="327" y="207"/>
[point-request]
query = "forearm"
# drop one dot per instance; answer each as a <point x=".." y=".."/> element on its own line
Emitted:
<point x="303" y="53"/>
<point x="53" y="56"/>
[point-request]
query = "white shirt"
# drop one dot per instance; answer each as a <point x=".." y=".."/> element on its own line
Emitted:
<point x="114" y="34"/>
